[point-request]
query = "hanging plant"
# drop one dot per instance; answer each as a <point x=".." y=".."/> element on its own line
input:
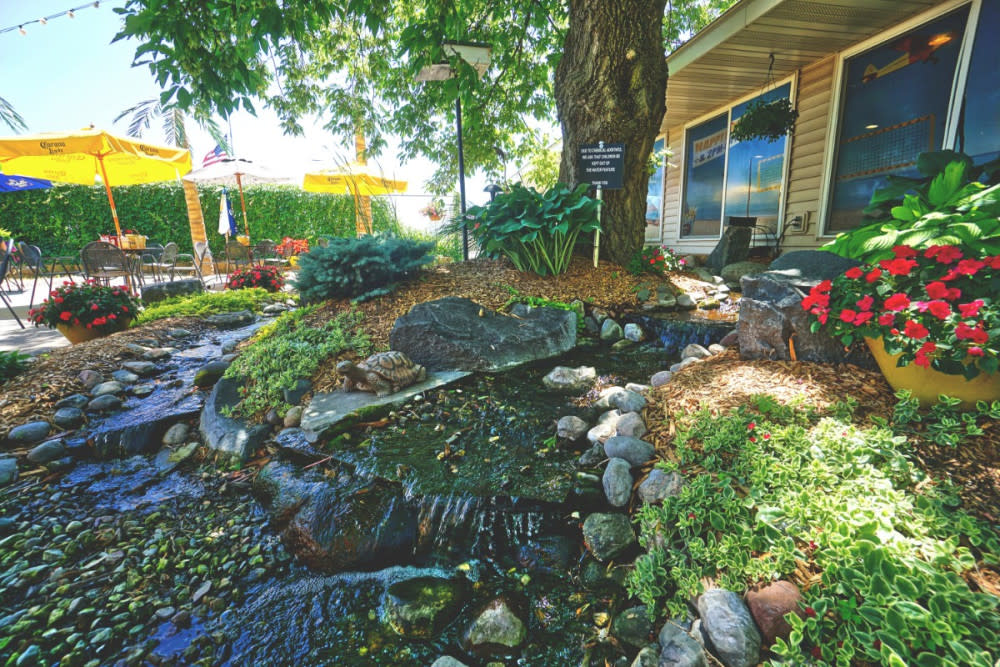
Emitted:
<point x="765" y="120"/>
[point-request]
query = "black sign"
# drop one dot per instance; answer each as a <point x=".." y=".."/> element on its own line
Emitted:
<point x="603" y="165"/>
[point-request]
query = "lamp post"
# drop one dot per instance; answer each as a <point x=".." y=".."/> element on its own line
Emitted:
<point x="477" y="55"/>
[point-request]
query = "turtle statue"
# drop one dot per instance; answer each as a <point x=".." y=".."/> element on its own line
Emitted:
<point x="383" y="373"/>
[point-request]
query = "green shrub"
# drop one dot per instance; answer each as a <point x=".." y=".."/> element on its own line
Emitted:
<point x="360" y="268"/>
<point x="207" y="303"/>
<point x="289" y="350"/>
<point x="536" y="232"/>
<point x="12" y="362"/>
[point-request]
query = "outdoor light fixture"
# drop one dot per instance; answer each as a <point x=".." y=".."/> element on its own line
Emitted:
<point x="493" y="189"/>
<point x="21" y="30"/>
<point x="477" y="55"/>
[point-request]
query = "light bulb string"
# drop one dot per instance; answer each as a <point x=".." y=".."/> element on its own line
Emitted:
<point x="20" y="27"/>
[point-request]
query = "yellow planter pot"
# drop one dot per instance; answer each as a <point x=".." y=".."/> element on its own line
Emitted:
<point x="81" y="334"/>
<point x="926" y="383"/>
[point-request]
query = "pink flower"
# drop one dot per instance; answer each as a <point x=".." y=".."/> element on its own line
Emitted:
<point x="975" y="351"/>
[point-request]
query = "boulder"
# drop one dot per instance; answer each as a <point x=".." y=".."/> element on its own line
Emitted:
<point x="456" y="333"/>
<point x="660" y="378"/>
<point x="768" y="605"/>
<point x="571" y="428"/>
<point x="678" y="648"/>
<point x="421" y="607"/>
<point x="496" y="630"/>
<point x="633" y="450"/>
<point x="607" y="425"/>
<point x="617" y="482"/>
<point x="634" y="333"/>
<point x="159" y="291"/>
<point x="566" y="380"/>
<point x="660" y="485"/>
<point x="726" y="622"/>
<point x="607" y="536"/>
<point x="622" y="399"/>
<point x="631" y="424"/>
<point x="734" y="246"/>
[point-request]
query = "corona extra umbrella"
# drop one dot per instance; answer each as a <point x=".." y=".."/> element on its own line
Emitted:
<point x="81" y="156"/>
<point x="358" y="180"/>
<point x="235" y="172"/>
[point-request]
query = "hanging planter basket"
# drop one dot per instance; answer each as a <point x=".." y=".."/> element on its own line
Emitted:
<point x="765" y="120"/>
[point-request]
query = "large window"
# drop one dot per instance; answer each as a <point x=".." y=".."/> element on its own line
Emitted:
<point x="978" y="132"/>
<point x="654" y="197"/>
<point x="724" y="179"/>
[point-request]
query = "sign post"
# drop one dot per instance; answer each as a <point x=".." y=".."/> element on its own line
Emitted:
<point x="603" y="166"/>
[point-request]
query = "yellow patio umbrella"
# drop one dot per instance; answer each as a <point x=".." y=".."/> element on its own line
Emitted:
<point x="78" y="157"/>
<point x="358" y="180"/>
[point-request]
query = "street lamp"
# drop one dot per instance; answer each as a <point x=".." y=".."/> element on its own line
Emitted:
<point x="477" y="55"/>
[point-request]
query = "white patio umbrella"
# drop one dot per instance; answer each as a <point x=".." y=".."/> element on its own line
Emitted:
<point x="235" y="172"/>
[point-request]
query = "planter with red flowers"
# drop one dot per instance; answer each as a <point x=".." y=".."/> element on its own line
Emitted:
<point x="931" y="318"/>
<point x="266" y="277"/>
<point x="86" y="311"/>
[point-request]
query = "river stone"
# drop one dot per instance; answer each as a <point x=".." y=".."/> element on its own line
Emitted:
<point x="105" y="403"/>
<point x="159" y="291"/>
<point x="659" y="485"/>
<point x="730" y="629"/>
<point x="617" y="482"/>
<point x="695" y="351"/>
<point x="678" y="648"/>
<point x="8" y="471"/>
<point x="73" y="401"/>
<point x="566" y="380"/>
<point x="230" y="436"/>
<point x="293" y="417"/>
<point x="631" y="424"/>
<point x="143" y="390"/>
<point x="611" y="331"/>
<point x="496" y="630"/>
<point x="459" y="334"/>
<point x="633" y="626"/>
<point x="732" y="273"/>
<point x="621" y="398"/>
<point x="608" y="535"/>
<point x="294" y="444"/>
<point x="768" y="605"/>
<point x="634" y="333"/>
<point x="68" y="418"/>
<point x="230" y="320"/>
<point x="104" y="388"/>
<point x="158" y="353"/>
<point x="294" y="395"/>
<point x="660" y="378"/>
<point x="448" y="661"/>
<point x="633" y="450"/>
<point x="30" y="433"/>
<point x="646" y="657"/>
<point x="176" y="434"/>
<point x="606" y="426"/>
<point x="637" y="388"/>
<point x="420" y="608"/>
<point x="124" y="377"/>
<point x="210" y="373"/>
<point x="592" y="457"/>
<point x="571" y="428"/>
<point x="89" y="378"/>
<point x="716" y="348"/>
<point x="140" y="368"/>
<point x="550" y="555"/>
<point x="179" y="333"/>
<point x="47" y="451"/>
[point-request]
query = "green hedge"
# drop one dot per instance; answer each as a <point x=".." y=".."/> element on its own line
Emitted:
<point x="63" y="219"/>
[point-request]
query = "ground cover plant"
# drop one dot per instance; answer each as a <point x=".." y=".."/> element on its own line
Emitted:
<point x="12" y="362"/>
<point x="206" y="303"/>
<point x="774" y="489"/>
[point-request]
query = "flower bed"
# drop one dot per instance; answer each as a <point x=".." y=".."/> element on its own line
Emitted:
<point x="267" y="277"/>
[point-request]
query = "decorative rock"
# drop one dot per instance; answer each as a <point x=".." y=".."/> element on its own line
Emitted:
<point x="496" y="629"/>
<point x="143" y="390"/>
<point x="607" y="423"/>
<point x="730" y="339"/>
<point x="696" y="351"/>
<point x="647" y="657"/>
<point x="631" y="424"/>
<point x="683" y="363"/>
<point x="686" y="301"/>
<point x="176" y="434"/>
<point x="624" y="400"/>
<point x="659" y="485"/>
<point x="124" y="377"/>
<point x="160" y="291"/>
<point x="294" y="395"/>
<point x="608" y="535"/>
<point x="48" y="451"/>
<point x="420" y="608"/>
<point x="611" y="331"/>
<point x="715" y="348"/>
<point x="8" y="471"/>
<point x="105" y="403"/>
<point x="157" y="353"/>
<point x="730" y="629"/>
<point x="734" y="246"/>
<point x="633" y="626"/>
<point x="68" y="418"/>
<point x="293" y="417"/>
<point x="448" y="661"/>
<point x="566" y="380"/>
<point x="637" y="388"/>
<point x="732" y="273"/>
<point x="634" y="333"/>
<point x="210" y="373"/>
<point x="178" y="333"/>
<point x="660" y="378"/>
<point x="592" y="456"/>
<point x="621" y="345"/>
<point x="275" y="309"/>
<point x="617" y="482"/>
<point x="633" y="450"/>
<point x="104" y="388"/>
<point x="768" y="606"/>
<point x="678" y="648"/>
<point x="30" y="433"/>
<point x="230" y="320"/>
<point x="73" y="401"/>
<point x="89" y="379"/>
<point x="571" y="428"/>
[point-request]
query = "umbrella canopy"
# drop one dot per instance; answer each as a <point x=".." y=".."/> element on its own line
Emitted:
<point x="16" y="183"/>
<point x="354" y="179"/>
<point x="235" y="172"/>
<point x="81" y="156"/>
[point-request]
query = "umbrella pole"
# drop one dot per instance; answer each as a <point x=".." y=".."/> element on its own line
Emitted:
<point x="243" y="205"/>
<point x="111" y="199"/>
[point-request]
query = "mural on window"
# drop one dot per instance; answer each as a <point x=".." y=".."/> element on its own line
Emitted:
<point x="654" y="197"/>
<point x="753" y="181"/>
<point x="979" y="130"/>
<point x="704" y="171"/>
<point x="895" y="106"/>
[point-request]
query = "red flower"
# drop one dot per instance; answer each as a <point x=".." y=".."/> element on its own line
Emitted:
<point x="691" y="515"/>
<point x="767" y="436"/>
<point x="815" y="298"/>
<point x="810" y="612"/>
<point x="993" y="262"/>
<point x="58" y="299"/>
<point x="886" y="319"/>
<point x="915" y="330"/>
<point x="969" y="267"/>
<point x="751" y="426"/>
<point x="897" y="302"/>
<point x="945" y="254"/>
<point x="873" y="275"/>
<point x="94" y="306"/>
<point x="976" y="334"/>
<point x="848" y="315"/>
<point x="65" y="315"/>
<point x="904" y="251"/>
<point x="970" y="309"/>
<point x="899" y="266"/>
<point x="753" y="438"/>
<point x="863" y="318"/>
<point x="921" y="358"/>
<point x="939" y="309"/>
<point x="854" y="272"/>
<point x="817" y="652"/>
<point x="865" y="302"/>
<point x="938" y="290"/>
<point x="975" y="351"/>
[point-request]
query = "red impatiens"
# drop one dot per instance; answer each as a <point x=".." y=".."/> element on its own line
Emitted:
<point x="87" y="304"/>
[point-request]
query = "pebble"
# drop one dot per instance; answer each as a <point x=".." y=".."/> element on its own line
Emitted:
<point x="105" y="403"/>
<point x="125" y="377"/>
<point x="105" y="388"/>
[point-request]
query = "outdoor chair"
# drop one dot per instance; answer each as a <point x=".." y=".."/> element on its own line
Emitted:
<point x="104" y="262"/>
<point x="148" y="261"/>
<point x="266" y="253"/>
<point x="237" y="256"/>
<point x="5" y="266"/>
<point x="33" y="260"/>
<point x="187" y="264"/>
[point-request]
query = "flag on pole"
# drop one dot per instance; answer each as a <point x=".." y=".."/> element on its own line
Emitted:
<point x="227" y="221"/>
<point x="217" y="154"/>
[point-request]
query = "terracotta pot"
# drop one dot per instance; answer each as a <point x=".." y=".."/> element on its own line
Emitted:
<point x="434" y="216"/>
<point x="926" y="383"/>
<point x="80" y="334"/>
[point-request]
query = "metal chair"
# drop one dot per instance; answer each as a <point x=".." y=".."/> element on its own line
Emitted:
<point x="266" y="253"/>
<point x="5" y="266"/>
<point x="105" y="262"/>
<point x="148" y="261"/>
<point x="186" y="263"/>
<point x="237" y="255"/>
<point x="33" y="260"/>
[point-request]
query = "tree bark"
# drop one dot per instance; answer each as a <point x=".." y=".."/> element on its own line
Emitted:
<point x="611" y="86"/>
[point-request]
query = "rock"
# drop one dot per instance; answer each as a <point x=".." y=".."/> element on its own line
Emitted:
<point x="606" y="426"/>
<point x="293" y="417"/>
<point x="166" y="460"/>
<point x="275" y="309"/>
<point x="273" y="418"/>
<point x="768" y="605"/>
<point x="571" y="428"/>
<point x="69" y="418"/>
<point x="598" y="576"/>
<point x="608" y="535"/>
<point x="104" y="388"/>
<point x="630" y="424"/>
<point x="48" y="451"/>
<point x="140" y="368"/>
<point x="73" y="401"/>
<point x="732" y="273"/>
<point x="495" y="630"/>
<point x="226" y="435"/>
<point x="233" y="320"/>
<point x="125" y="377"/>
<point x="633" y="450"/>
<point x="678" y="648"/>
<point x="591" y="326"/>
<point x="659" y="485"/>
<point x="622" y="399"/>
<point x="105" y="403"/>
<point x="682" y="364"/>
<point x="448" y="661"/>
<point x="159" y="291"/>
<point x="456" y="333"/>
<point x="143" y="390"/>
<point x="730" y="339"/>
<point x="660" y="378"/>
<point x="89" y="379"/>
<point x="157" y="353"/>
<point x="210" y="373"/>
<point x="621" y="345"/>
<point x="617" y="482"/>
<point x="592" y="456"/>
<point x="566" y="380"/>
<point x="294" y="445"/>
<point x="634" y="333"/>
<point x="715" y="348"/>
<point x="599" y="315"/>
<point x="637" y="388"/>
<point x="550" y="555"/>
<point x="176" y="434"/>
<point x="730" y="629"/>
<point x="734" y="246"/>
<point x="696" y="351"/>
<point x="8" y="471"/>
<point x="178" y="333"/>
<point x="30" y="433"/>
<point x="633" y="626"/>
<point x="686" y="301"/>
<point x="420" y="608"/>
<point x="294" y="395"/>
<point x="646" y="657"/>
<point x="611" y="331"/>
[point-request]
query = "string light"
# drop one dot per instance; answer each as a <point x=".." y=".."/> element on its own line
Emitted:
<point x="43" y="21"/>
<point x="71" y="13"/>
<point x="21" y="29"/>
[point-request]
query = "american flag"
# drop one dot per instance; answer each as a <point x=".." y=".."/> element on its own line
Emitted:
<point x="217" y="154"/>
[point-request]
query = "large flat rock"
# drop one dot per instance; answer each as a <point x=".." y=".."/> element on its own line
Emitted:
<point x="342" y="408"/>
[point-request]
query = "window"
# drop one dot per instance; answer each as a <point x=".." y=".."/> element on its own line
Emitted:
<point x="724" y="179"/>
<point x="654" y="197"/>
<point x="978" y="132"/>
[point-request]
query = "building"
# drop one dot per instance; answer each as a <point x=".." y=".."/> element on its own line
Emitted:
<point x="876" y="82"/>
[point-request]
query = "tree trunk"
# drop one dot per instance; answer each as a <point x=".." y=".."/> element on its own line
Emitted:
<point x="611" y="86"/>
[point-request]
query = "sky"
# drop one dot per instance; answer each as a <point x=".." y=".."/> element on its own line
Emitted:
<point x="66" y="75"/>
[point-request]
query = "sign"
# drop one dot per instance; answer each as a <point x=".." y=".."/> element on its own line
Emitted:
<point x="711" y="147"/>
<point x="603" y="165"/>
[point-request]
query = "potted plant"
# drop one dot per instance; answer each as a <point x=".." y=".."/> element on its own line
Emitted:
<point x="266" y="277"/>
<point x="930" y="317"/>
<point x="86" y="311"/>
<point x="765" y="120"/>
<point x="434" y="210"/>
